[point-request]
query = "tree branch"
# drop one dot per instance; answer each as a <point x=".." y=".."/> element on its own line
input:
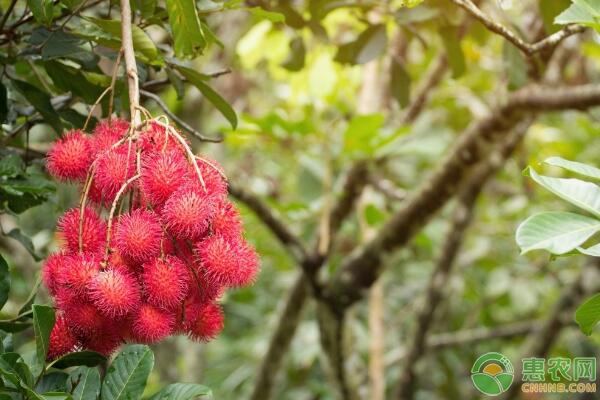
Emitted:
<point x="130" y="64"/>
<point x="268" y="216"/>
<point x="456" y="231"/>
<point x="528" y="49"/>
<point x="288" y="321"/>
<point x="362" y="267"/>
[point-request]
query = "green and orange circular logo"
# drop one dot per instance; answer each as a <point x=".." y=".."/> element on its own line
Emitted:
<point x="492" y="374"/>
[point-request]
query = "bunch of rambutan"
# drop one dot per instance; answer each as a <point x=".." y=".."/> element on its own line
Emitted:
<point x="153" y="252"/>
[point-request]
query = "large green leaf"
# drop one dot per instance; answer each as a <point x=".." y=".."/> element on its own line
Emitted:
<point x="141" y="41"/>
<point x="400" y="83"/>
<point x="588" y="314"/>
<point x="574" y="166"/>
<point x="86" y="357"/>
<point x="25" y="240"/>
<point x="84" y="383"/>
<point x="127" y="375"/>
<point x="43" y="322"/>
<point x="182" y="391"/>
<point x="215" y="98"/>
<point x="370" y="44"/>
<point x="187" y="31"/>
<point x="585" y="195"/>
<point x="41" y="102"/>
<point x="42" y="10"/>
<point x="4" y="281"/>
<point x="584" y="12"/>
<point x="556" y="232"/>
<point x="590" y="251"/>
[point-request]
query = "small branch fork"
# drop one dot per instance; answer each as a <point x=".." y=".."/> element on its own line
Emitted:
<point x="529" y="49"/>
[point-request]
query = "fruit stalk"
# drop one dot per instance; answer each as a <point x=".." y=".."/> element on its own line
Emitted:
<point x="130" y="65"/>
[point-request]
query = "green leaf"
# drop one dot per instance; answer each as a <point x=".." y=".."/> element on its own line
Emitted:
<point x="41" y="102"/>
<point x="369" y="45"/>
<point x="55" y="381"/>
<point x="59" y="44"/>
<point x="220" y="103"/>
<point x="361" y="131"/>
<point x="42" y="10"/>
<point x="72" y="80"/>
<point x="456" y="57"/>
<point x="176" y="82"/>
<point x="43" y="322"/>
<point x="264" y="14"/>
<point x="593" y="251"/>
<point x="400" y="84"/>
<point x="86" y="358"/>
<point x="4" y="281"/>
<point x="127" y="375"/>
<point x="580" y="12"/>
<point x="574" y="166"/>
<point x="588" y="314"/>
<point x="141" y="41"/>
<point x="295" y="59"/>
<point x="556" y="232"/>
<point x="14" y="326"/>
<point x="16" y="234"/>
<point x="84" y="383"/>
<point x="182" y="391"/>
<point x="585" y="195"/>
<point x="188" y="38"/>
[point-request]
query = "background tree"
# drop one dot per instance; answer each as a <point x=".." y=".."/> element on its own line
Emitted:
<point x="380" y="144"/>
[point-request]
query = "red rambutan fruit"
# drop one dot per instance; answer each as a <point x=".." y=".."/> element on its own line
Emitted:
<point x="51" y="270"/>
<point x="107" y="133"/>
<point x="165" y="282"/>
<point x="212" y="174"/>
<point x="162" y="174"/>
<point x="226" y="221"/>
<point x="84" y="317"/>
<point x="138" y="235"/>
<point x="203" y="322"/>
<point x="114" y="293"/>
<point x="151" y="324"/>
<point x="70" y="157"/>
<point x="78" y="272"/>
<point x="62" y="341"/>
<point x="187" y="213"/>
<point x="93" y="232"/>
<point x="114" y="167"/>
<point x="154" y="138"/>
<point x="105" y="342"/>
<point x="231" y="263"/>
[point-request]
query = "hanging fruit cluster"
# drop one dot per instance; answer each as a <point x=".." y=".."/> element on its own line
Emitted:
<point x="154" y="249"/>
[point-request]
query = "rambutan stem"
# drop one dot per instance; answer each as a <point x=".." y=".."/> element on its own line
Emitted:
<point x="112" y="214"/>
<point x="190" y="155"/>
<point x="113" y="81"/>
<point x="130" y="65"/>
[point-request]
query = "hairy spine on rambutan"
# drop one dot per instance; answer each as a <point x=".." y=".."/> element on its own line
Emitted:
<point x="203" y="322"/>
<point x="51" y="271"/>
<point x="70" y="157"/>
<point x="187" y="213"/>
<point x="162" y="174"/>
<point x="155" y="138"/>
<point x="62" y="341"/>
<point x="105" y="342"/>
<point x="151" y="324"/>
<point x="138" y="235"/>
<point x="78" y="272"/>
<point x="165" y="282"/>
<point x="229" y="262"/>
<point x="114" y="167"/>
<point x="107" y="133"/>
<point x="83" y="317"/>
<point x="93" y="232"/>
<point x="226" y="222"/>
<point x="212" y="175"/>
<point x="114" y="293"/>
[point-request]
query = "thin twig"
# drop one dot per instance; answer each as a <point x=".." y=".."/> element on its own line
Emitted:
<point x="179" y="121"/>
<point x="528" y="49"/>
<point x="9" y="10"/>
